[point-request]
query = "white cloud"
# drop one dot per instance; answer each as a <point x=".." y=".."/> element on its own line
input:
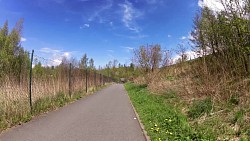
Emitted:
<point x="66" y="54"/>
<point x="190" y="37"/>
<point x="169" y="36"/>
<point x="138" y="36"/>
<point x="190" y="55"/>
<point x="85" y="26"/>
<point x="23" y="39"/>
<point x="48" y="50"/>
<point x="214" y="5"/>
<point x="52" y="57"/>
<point x="183" y="38"/>
<point x="111" y="51"/>
<point x="130" y="14"/>
<point x="128" y="49"/>
<point x="97" y="13"/>
<point x="218" y="5"/>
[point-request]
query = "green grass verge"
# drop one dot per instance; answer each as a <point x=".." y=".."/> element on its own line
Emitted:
<point x="162" y="120"/>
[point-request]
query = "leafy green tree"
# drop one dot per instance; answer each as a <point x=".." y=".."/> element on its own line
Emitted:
<point x="91" y="64"/>
<point x="84" y="62"/>
<point x="13" y="59"/>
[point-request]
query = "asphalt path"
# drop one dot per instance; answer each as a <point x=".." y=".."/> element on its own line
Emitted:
<point x="104" y="116"/>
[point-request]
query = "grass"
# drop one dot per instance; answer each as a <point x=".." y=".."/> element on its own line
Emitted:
<point x="16" y="111"/>
<point x="162" y="120"/>
<point x="198" y="108"/>
<point x="41" y="105"/>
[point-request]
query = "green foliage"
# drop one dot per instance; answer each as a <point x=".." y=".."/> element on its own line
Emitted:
<point x="200" y="107"/>
<point x="238" y="117"/>
<point x="225" y="37"/>
<point x="120" y="71"/>
<point x="162" y="120"/>
<point x="13" y="59"/>
<point x="47" y="103"/>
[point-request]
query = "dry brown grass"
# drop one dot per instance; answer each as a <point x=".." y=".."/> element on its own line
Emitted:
<point x="229" y="96"/>
<point x="14" y="96"/>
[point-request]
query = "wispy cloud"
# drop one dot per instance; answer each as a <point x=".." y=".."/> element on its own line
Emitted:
<point x="129" y="16"/>
<point x="155" y="1"/>
<point x="23" y="39"/>
<point x="133" y="37"/>
<point x="96" y="14"/>
<point x="111" y="56"/>
<point x="128" y="49"/>
<point x="111" y="51"/>
<point x="169" y="36"/>
<point x="85" y="26"/>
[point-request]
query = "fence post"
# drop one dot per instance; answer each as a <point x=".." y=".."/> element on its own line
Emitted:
<point x="100" y="80"/>
<point x="86" y="80"/>
<point x="30" y="86"/>
<point x="95" y="79"/>
<point x="70" y="65"/>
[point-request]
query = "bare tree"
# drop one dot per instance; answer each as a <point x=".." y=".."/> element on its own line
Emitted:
<point x="148" y="58"/>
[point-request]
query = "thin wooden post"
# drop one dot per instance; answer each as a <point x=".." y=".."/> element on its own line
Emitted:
<point x="86" y="80"/>
<point x="30" y="86"/>
<point x="95" y="79"/>
<point x="70" y="66"/>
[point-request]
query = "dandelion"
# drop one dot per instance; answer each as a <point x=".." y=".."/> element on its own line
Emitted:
<point x="157" y="129"/>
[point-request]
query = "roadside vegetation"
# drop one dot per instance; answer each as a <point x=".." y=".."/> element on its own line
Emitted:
<point x="53" y="84"/>
<point x="162" y="120"/>
<point x="212" y="90"/>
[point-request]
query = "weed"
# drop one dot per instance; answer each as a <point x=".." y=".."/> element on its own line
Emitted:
<point x="169" y="94"/>
<point x="234" y="100"/>
<point x="238" y="116"/>
<point x="170" y="78"/>
<point x="200" y="107"/>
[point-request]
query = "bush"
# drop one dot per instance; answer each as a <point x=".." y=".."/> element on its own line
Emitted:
<point x="200" y="107"/>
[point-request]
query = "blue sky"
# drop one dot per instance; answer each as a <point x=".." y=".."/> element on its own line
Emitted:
<point x="104" y="29"/>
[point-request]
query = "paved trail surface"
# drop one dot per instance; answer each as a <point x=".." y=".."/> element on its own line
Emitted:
<point x="104" y="116"/>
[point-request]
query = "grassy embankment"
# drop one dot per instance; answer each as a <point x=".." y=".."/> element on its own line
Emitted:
<point x="162" y="119"/>
<point x="167" y="116"/>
